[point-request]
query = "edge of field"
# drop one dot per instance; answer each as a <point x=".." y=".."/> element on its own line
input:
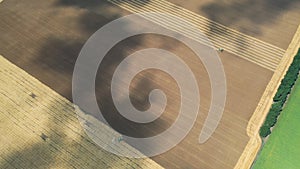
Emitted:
<point x="65" y="140"/>
<point x="279" y="150"/>
<point x="247" y="157"/>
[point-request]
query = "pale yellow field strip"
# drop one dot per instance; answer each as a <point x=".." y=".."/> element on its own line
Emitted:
<point x="265" y="103"/>
<point x="247" y="47"/>
<point x="39" y="129"/>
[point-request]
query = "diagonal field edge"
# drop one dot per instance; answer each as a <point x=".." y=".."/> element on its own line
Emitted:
<point x="247" y="157"/>
<point x="29" y="115"/>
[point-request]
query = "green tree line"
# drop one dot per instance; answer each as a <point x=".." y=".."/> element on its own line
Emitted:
<point x="281" y="96"/>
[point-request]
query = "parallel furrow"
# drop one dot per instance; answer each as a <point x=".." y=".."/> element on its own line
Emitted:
<point x="161" y="6"/>
<point x="185" y="31"/>
<point x="247" y="47"/>
<point x="164" y="22"/>
<point x="172" y="7"/>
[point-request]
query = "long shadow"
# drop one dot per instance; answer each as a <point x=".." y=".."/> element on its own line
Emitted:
<point x="90" y="23"/>
<point x="57" y="142"/>
<point x="251" y="17"/>
<point x="254" y="12"/>
<point x="91" y="4"/>
<point x="52" y="62"/>
<point x="31" y="152"/>
<point x="82" y="4"/>
<point x="60" y="55"/>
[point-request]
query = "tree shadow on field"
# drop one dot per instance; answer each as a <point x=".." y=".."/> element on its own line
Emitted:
<point x="52" y="62"/>
<point x="59" y="142"/>
<point x="92" y="4"/>
<point x="247" y="14"/>
<point x="60" y="55"/>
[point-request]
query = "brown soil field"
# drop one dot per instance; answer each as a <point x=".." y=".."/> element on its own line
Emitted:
<point x="274" y="22"/>
<point x="44" y="39"/>
<point x="39" y="129"/>
<point x="265" y="103"/>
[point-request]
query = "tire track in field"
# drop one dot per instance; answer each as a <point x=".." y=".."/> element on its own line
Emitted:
<point x="244" y="46"/>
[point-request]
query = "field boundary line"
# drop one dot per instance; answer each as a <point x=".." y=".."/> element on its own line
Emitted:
<point x="248" y="156"/>
<point x="22" y="97"/>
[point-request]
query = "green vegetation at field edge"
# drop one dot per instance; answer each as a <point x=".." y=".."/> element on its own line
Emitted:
<point x="281" y="95"/>
<point x="282" y="151"/>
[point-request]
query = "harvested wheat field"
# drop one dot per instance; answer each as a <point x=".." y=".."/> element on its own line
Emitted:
<point x="44" y="38"/>
<point x="39" y="128"/>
